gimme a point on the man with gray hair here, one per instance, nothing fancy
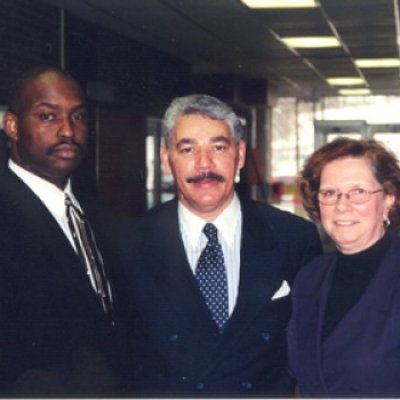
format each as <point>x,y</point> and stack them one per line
<point>209,274</point>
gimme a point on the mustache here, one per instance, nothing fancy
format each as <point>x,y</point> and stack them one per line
<point>79,148</point>
<point>204,176</point>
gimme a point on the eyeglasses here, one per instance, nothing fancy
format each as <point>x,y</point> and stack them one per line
<point>330,197</point>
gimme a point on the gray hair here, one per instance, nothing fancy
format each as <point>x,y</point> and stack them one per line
<point>204,105</point>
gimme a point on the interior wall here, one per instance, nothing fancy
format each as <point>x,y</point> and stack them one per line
<point>126,83</point>
<point>29,36</point>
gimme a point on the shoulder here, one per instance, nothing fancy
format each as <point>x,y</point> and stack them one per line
<point>152,226</point>
<point>277,219</point>
<point>294,237</point>
<point>395,245</point>
<point>313,273</point>
<point>157,217</point>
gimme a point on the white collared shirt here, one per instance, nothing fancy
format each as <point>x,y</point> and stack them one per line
<point>229,225</point>
<point>49,194</point>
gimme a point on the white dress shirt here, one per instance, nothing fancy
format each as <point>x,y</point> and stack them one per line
<point>50,195</point>
<point>229,225</point>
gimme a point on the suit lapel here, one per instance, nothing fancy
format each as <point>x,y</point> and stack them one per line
<point>327,269</point>
<point>377,295</point>
<point>51,245</point>
<point>261,271</point>
<point>176,277</point>
<point>41,228</point>
<point>22,201</point>
<point>182,309</point>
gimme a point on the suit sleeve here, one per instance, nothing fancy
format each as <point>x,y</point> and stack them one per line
<point>313,245</point>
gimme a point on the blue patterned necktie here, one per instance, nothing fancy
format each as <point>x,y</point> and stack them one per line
<point>211,277</point>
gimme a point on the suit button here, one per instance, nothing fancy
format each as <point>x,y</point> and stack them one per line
<point>247,385</point>
<point>173,338</point>
<point>355,388</point>
<point>200,386</point>
<point>266,336</point>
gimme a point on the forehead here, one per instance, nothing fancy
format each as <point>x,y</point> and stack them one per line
<point>50,87</point>
<point>348,169</point>
<point>196,126</point>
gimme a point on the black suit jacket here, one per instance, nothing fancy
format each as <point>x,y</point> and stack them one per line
<point>176,347</point>
<point>54,336</point>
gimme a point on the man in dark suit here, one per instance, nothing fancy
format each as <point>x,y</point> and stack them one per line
<point>209,275</point>
<point>57,329</point>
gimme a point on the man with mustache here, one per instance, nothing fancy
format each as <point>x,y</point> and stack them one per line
<point>57,324</point>
<point>209,274</point>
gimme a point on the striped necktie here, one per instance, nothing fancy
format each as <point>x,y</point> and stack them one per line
<point>89,254</point>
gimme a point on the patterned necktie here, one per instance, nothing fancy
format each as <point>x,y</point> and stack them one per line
<point>211,277</point>
<point>89,254</point>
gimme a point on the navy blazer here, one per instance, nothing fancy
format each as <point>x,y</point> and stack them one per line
<point>176,346</point>
<point>361,357</point>
<point>54,336</point>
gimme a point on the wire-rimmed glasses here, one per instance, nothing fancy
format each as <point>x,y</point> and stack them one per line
<point>330,197</point>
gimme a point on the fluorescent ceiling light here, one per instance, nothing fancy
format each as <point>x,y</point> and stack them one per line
<point>378,62</point>
<point>354,92</point>
<point>311,42</point>
<point>280,3</point>
<point>345,81</point>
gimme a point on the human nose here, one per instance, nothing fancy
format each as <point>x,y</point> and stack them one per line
<point>67,128</point>
<point>343,201</point>
<point>204,159</point>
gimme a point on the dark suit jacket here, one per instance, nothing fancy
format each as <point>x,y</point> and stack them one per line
<point>176,347</point>
<point>361,357</point>
<point>54,336</point>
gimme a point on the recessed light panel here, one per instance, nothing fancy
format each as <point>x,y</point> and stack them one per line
<point>311,42</point>
<point>345,81</point>
<point>280,3</point>
<point>354,92</point>
<point>378,62</point>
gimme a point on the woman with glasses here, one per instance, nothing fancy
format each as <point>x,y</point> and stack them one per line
<point>344,334</point>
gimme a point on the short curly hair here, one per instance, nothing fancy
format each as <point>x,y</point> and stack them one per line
<point>385,168</point>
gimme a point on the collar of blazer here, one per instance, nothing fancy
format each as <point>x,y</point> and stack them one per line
<point>33,217</point>
<point>261,263</point>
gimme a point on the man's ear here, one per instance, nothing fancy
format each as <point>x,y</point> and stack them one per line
<point>165,160</point>
<point>10,121</point>
<point>242,154</point>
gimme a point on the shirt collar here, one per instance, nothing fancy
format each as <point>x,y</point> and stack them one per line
<point>48,193</point>
<point>225,222</point>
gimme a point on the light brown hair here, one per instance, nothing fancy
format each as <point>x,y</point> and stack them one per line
<point>385,168</point>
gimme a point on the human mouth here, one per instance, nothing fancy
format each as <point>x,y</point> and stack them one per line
<point>66,150</point>
<point>205,177</point>
<point>345,223</point>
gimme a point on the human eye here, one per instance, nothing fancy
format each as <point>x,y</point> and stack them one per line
<point>186,149</point>
<point>328,193</point>
<point>219,147</point>
<point>358,193</point>
<point>80,116</point>
<point>47,116</point>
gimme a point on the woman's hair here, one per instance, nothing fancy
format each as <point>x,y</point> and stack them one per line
<point>385,168</point>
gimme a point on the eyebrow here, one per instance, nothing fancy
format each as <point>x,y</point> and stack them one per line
<point>215,139</point>
<point>221,139</point>
<point>81,106</point>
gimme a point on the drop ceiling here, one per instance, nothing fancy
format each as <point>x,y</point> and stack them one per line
<point>225,36</point>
